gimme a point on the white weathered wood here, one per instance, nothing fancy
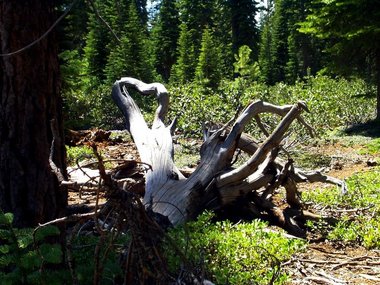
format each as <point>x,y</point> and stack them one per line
<point>213,183</point>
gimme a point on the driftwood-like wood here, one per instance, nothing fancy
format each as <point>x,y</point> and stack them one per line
<point>214,183</point>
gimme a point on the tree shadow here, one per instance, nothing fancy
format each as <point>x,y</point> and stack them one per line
<point>368,129</point>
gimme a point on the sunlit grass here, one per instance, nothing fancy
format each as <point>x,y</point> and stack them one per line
<point>358,211</point>
<point>244,253</point>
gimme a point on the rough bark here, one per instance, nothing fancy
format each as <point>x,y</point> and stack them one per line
<point>30,106</point>
<point>214,183</point>
<point>377,59</point>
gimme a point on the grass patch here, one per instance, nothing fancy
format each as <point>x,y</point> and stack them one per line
<point>78,153</point>
<point>228,253</point>
<point>358,211</point>
<point>372,147</point>
<point>311,160</point>
<point>186,153</point>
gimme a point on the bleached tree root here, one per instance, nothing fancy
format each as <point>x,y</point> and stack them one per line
<point>214,183</point>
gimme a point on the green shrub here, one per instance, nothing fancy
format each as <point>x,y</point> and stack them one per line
<point>373,147</point>
<point>26,260</point>
<point>34,256</point>
<point>361,223</point>
<point>244,253</point>
<point>332,102</point>
<point>78,153</point>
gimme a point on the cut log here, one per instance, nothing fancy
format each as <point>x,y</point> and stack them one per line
<point>214,183</point>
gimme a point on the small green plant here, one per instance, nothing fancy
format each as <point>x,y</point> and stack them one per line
<point>332,102</point>
<point>243,253</point>
<point>78,153</point>
<point>35,256</point>
<point>26,258</point>
<point>358,211</point>
<point>372,147</point>
<point>311,160</point>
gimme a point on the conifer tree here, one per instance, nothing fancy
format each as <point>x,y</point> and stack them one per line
<point>165,34</point>
<point>244,25</point>
<point>97,42</point>
<point>266,52</point>
<point>286,54</point>
<point>208,71</point>
<point>130,57</point>
<point>352,30</point>
<point>222,34</point>
<point>195,16</point>
<point>184,69</point>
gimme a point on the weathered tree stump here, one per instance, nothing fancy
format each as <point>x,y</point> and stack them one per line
<point>214,183</point>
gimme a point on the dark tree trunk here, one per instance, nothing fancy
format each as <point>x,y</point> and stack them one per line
<point>378,84</point>
<point>30,100</point>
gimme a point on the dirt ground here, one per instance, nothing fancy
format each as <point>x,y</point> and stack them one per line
<point>322,262</point>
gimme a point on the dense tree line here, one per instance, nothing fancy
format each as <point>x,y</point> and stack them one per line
<point>181,41</point>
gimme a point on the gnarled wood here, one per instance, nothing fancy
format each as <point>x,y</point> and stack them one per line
<point>214,184</point>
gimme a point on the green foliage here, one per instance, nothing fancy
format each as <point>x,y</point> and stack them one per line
<point>34,256</point>
<point>78,153</point>
<point>24,258</point>
<point>184,69</point>
<point>110,245</point>
<point>174,45</point>
<point>357,226</point>
<point>243,65</point>
<point>329,20</point>
<point>285,53</point>
<point>165,34</point>
<point>354,47</point>
<point>307,160</point>
<point>208,70</point>
<point>332,102</point>
<point>130,57</point>
<point>244,26</point>
<point>244,253</point>
<point>373,147</point>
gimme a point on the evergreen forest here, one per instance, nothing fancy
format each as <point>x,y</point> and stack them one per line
<point>214,47</point>
<point>271,107</point>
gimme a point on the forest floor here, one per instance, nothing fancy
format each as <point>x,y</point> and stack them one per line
<point>323,262</point>
<point>327,262</point>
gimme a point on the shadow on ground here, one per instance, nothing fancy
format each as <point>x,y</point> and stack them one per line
<point>368,129</point>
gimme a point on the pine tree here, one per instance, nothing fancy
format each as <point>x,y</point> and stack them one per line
<point>97,42</point>
<point>352,30</point>
<point>292,66</point>
<point>286,54</point>
<point>184,69</point>
<point>266,52</point>
<point>222,34</point>
<point>130,57</point>
<point>195,16</point>
<point>279,46</point>
<point>244,25</point>
<point>208,71</point>
<point>243,65</point>
<point>165,34</point>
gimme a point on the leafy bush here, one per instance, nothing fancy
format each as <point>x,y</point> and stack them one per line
<point>243,253</point>
<point>25,259</point>
<point>363,201</point>
<point>373,147</point>
<point>35,256</point>
<point>332,102</point>
<point>91,107</point>
<point>78,153</point>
